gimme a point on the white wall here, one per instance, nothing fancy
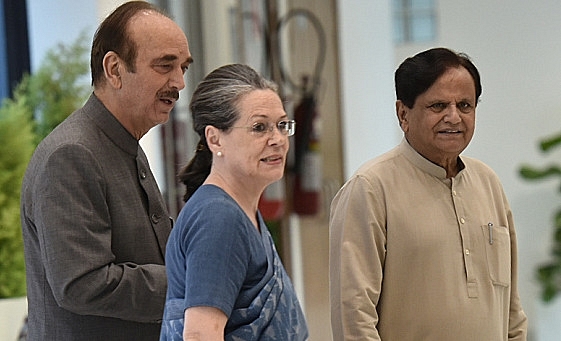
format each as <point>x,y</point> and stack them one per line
<point>366,74</point>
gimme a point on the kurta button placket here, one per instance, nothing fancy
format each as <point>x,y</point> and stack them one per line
<point>465,240</point>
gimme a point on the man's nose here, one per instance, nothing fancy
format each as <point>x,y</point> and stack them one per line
<point>177,80</point>
<point>453,114</point>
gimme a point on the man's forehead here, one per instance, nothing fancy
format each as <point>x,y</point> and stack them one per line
<point>146,21</point>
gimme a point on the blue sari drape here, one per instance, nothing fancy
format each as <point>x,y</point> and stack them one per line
<point>274,314</point>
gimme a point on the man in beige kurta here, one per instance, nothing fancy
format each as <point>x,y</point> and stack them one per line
<point>422,249</point>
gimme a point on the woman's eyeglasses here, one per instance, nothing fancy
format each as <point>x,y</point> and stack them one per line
<point>286,127</point>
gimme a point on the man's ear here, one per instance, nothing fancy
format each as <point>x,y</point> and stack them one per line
<point>402,112</point>
<point>112,67</point>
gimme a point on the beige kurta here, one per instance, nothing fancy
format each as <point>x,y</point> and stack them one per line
<point>413,255</point>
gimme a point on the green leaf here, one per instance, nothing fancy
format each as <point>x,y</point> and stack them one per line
<point>547,144</point>
<point>548,293</point>
<point>532,173</point>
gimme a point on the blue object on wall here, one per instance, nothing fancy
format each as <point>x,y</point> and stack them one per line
<point>4,89</point>
<point>15,47</point>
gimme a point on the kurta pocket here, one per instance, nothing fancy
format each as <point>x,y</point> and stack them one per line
<point>497,248</point>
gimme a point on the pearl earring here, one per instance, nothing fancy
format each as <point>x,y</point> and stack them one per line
<point>219,154</point>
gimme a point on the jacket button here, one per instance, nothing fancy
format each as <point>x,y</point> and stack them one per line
<point>155,218</point>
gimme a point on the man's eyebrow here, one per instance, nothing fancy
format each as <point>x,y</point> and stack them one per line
<point>165,58</point>
<point>171,58</point>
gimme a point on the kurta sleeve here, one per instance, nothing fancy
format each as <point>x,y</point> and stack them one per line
<point>518,322</point>
<point>357,253</point>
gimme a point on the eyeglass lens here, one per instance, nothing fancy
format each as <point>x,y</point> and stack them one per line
<point>287,127</point>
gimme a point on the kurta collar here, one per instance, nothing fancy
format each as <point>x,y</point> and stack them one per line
<point>421,162</point>
<point>110,126</point>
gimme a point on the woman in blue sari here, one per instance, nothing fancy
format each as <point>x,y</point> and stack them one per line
<point>225,278</point>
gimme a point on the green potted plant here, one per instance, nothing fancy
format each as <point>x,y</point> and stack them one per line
<point>549,273</point>
<point>39,103</point>
<point>17,141</point>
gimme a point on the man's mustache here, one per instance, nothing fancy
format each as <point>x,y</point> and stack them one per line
<point>173,94</point>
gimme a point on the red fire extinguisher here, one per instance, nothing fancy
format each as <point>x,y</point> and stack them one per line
<point>272,201</point>
<point>307,157</point>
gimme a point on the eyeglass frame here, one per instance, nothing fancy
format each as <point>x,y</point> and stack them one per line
<point>271,126</point>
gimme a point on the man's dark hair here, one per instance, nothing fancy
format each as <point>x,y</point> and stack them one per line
<point>112,35</point>
<point>418,73</point>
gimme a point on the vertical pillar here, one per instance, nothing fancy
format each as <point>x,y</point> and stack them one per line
<point>4,88</point>
<point>14,20</point>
